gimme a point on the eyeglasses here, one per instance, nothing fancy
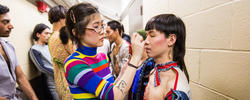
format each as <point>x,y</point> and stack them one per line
<point>98,30</point>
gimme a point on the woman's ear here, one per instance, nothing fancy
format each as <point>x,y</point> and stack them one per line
<point>38,35</point>
<point>172,39</point>
<point>116,31</point>
<point>74,32</point>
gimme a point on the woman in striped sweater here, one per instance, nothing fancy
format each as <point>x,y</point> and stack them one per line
<point>87,71</point>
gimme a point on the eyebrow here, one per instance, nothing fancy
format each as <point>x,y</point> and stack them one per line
<point>5,20</point>
<point>150,31</point>
<point>97,22</point>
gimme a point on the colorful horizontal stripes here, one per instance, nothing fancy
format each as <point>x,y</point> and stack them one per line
<point>88,75</point>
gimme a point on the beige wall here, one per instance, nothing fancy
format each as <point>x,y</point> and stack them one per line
<point>24,16</point>
<point>218,45</point>
<point>125,23</point>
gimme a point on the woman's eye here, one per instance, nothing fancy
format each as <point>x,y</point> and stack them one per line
<point>5,22</point>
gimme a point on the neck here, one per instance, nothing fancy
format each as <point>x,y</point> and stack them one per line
<point>90,51</point>
<point>163,58</point>
<point>57,26</point>
<point>142,60</point>
<point>40,43</point>
<point>118,41</point>
<point>145,58</point>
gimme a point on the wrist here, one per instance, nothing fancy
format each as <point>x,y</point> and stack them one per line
<point>133,66</point>
<point>34,97</point>
<point>134,61</point>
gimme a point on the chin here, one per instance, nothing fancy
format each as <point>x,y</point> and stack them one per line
<point>5,35</point>
<point>148,54</point>
<point>151,55</point>
<point>100,44</point>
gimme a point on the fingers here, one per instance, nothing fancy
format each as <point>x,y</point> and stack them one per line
<point>143,42</point>
<point>136,37</point>
<point>133,37</point>
<point>137,44</point>
<point>139,38</point>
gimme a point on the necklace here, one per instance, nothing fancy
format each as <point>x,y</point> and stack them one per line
<point>162,67</point>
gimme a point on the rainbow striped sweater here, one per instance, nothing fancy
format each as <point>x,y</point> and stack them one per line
<point>88,75</point>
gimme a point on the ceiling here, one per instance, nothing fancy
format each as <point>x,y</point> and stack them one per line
<point>110,9</point>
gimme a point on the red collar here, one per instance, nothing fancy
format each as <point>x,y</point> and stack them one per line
<point>162,67</point>
<point>168,65</point>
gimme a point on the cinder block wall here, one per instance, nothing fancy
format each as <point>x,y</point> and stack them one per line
<point>218,45</point>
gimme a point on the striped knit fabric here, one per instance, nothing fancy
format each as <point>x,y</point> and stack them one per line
<point>88,75</point>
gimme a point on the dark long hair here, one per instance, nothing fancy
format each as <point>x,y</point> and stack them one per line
<point>65,36</point>
<point>170,24</point>
<point>78,17</point>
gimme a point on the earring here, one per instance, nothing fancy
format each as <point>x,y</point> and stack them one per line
<point>169,54</point>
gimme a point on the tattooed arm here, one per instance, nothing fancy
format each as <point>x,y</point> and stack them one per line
<point>123,85</point>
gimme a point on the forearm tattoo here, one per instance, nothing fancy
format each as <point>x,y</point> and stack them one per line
<point>122,85</point>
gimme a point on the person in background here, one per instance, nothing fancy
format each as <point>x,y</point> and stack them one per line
<point>59,51</point>
<point>40,55</point>
<point>87,71</point>
<point>120,49</point>
<point>125,36</point>
<point>10,71</point>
